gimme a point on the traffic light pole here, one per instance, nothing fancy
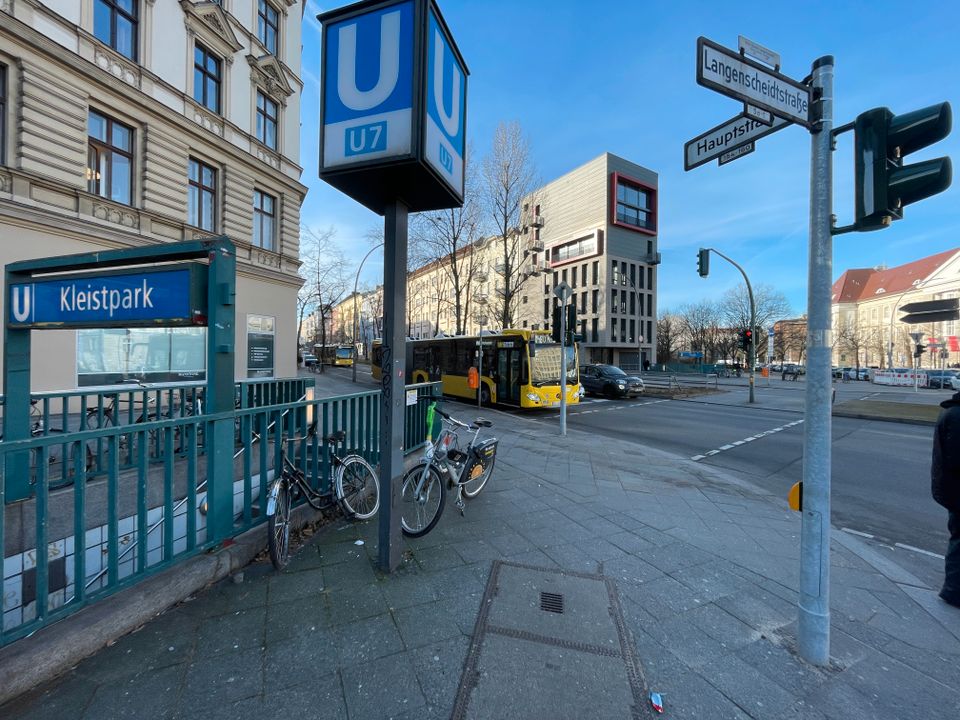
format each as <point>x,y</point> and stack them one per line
<point>814,608</point>
<point>752,347</point>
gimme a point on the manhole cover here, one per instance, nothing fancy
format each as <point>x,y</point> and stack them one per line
<point>550,643</point>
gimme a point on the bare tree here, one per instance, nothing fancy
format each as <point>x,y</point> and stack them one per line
<point>668,336</point>
<point>325,280</point>
<point>447,237</point>
<point>791,339</point>
<point>852,338</point>
<point>508,179</point>
<point>770,304</point>
<point>700,323</point>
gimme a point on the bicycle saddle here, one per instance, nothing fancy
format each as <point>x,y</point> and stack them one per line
<point>337,437</point>
<point>480,422</point>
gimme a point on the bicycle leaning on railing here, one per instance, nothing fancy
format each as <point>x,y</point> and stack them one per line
<point>353,486</point>
<point>424,489</point>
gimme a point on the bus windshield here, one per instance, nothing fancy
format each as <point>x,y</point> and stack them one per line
<point>545,365</point>
<point>344,353</point>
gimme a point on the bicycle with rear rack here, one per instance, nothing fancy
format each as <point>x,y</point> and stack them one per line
<point>353,484</point>
<point>424,488</point>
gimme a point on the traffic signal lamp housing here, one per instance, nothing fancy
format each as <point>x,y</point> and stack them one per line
<point>919,350</point>
<point>703,262</point>
<point>556,329</point>
<point>747,339</point>
<point>884,184</point>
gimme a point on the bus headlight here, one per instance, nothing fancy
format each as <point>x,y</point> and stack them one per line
<point>533,397</point>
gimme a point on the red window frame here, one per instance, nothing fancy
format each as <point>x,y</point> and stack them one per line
<point>615,179</point>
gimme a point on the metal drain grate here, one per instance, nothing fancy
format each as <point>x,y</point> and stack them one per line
<point>551,602</point>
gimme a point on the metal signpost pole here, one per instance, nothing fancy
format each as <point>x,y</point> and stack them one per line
<point>814,614</point>
<point>392,394</point>
<point>563,367</point>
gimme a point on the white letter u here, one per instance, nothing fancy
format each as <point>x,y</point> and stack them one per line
<point>21,304</point>
<point>389,65</point>
<point>451,121</point>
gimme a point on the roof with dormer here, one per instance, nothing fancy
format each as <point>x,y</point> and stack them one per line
<point>861,284</point>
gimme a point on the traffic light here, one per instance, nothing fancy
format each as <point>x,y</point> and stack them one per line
<point>919,350</point>
<point>555,329</point>
<point>884,185</point>
<point>571,323</point>
<point>703,262</point>
<point>747,336</point>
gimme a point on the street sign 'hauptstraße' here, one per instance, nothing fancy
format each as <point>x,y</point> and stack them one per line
<point>726,137</point>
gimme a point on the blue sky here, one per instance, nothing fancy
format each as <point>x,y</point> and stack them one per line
<point>583,78</point>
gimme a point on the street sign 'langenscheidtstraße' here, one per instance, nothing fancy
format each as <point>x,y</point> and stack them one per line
<point>726,137</point>
<point>736,76</point>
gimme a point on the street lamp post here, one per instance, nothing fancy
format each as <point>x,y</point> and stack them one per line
<point>639,328</point>
<point>752,350</point>
<point>356,282</point>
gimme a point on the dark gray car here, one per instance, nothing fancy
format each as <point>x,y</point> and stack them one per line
<point>609,380</point>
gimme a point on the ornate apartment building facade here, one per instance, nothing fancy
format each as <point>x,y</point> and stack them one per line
<point>136,122</point>
<point>866,312</point>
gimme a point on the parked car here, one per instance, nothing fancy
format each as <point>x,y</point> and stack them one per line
<point>609,380</point>
<point>941,378</point>
<point>309,360</point>
<point>791,371</point>
<point>955,382</point>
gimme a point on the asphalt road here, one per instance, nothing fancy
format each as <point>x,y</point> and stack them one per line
<point>881,470</point>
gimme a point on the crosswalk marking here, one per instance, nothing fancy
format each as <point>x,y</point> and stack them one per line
<point>752,438</point>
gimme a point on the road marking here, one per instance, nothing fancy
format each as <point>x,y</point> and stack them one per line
<point>857,532</point>
<point>911,548</point>
<point>737,443</point>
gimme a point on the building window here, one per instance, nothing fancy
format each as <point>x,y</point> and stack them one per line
<point>633,298</point>
<point>524,300</point>
<point>3,113</point>
<point>109,158</point>
<point>206,78</point>
<point>623,329</point>
<point>596,272</point>
<point>583,274</point>
<point>623,273</point>
<point>632,331</point>
<point>575,248</point>
<point>115,24</point>
<point>546,309</point>
<point>596,300</point>
<point>266,121</point>
<point>583,303</point>
<point>264,220</point>
<point>268,25</point>
<point>593,330</point>
<point>202,200</point>
<point>613,330</point>
<point>635,204</point>
<point>613,301</point>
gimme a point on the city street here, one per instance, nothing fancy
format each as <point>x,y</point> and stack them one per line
<point>881,470</point>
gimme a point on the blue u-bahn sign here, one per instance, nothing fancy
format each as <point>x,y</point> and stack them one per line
<point>174,296</point>
<point>394,103</point>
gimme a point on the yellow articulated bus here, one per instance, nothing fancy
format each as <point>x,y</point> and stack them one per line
<point>334,354</point>
<point>521,368</point>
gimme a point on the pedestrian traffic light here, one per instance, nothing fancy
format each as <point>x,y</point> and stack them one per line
<point>703,262</point>
<point>884,185</point>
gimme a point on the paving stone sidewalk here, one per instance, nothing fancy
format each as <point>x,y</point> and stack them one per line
<point>705,572</point>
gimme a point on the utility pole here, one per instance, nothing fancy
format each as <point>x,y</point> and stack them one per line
<point>752,347</point>
<point>562,291</point>
<point>813,635</point>
<point>355,319</point>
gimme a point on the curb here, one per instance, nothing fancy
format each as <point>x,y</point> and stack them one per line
<point>52,650</point>
<point>884,418</point>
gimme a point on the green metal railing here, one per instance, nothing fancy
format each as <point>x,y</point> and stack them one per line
<point>141,505</point>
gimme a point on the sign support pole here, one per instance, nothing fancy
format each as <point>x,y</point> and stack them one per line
<point>563,365</point>
<point>814,606</point>
<point>392,406</point>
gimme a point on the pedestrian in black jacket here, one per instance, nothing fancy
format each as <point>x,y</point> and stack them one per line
<point>945,485</point>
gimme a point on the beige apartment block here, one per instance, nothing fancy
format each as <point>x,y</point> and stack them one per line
<point>866,311</point>
<point>595,229</point>
<point>127,123</point>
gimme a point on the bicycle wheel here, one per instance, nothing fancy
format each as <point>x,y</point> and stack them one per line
<point>472,487</point>
<point>418,514</point>
<point>279,505</point>
<point>358,488</point>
